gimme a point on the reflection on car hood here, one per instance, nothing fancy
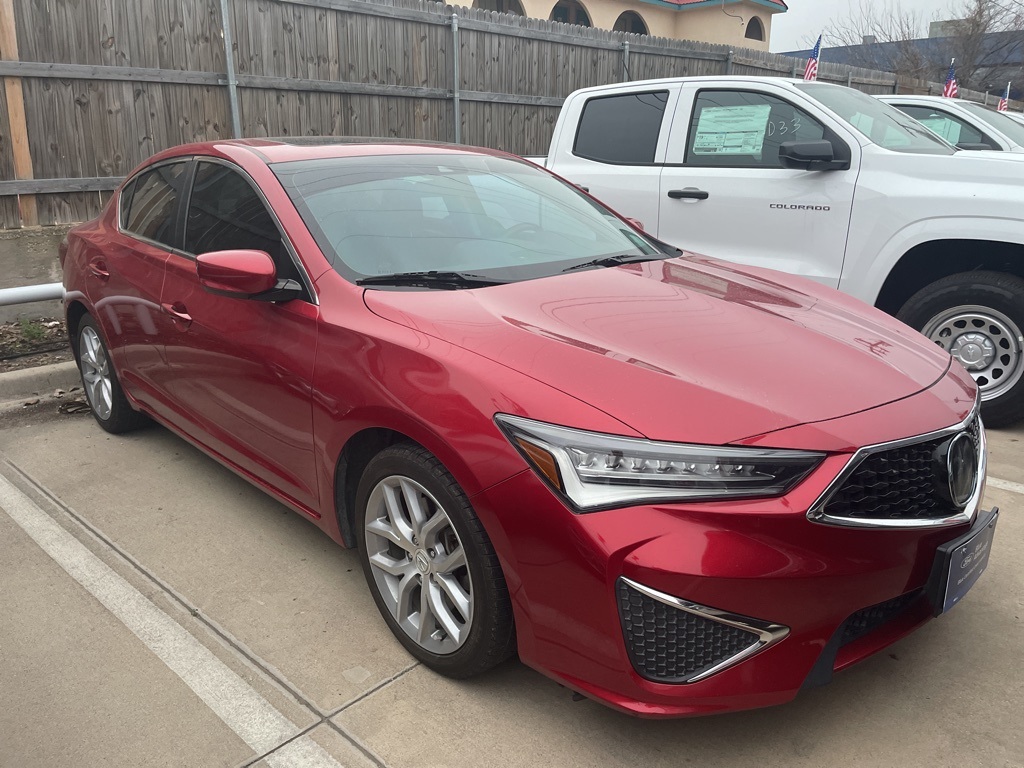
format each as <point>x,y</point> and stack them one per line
<point>685,349</point>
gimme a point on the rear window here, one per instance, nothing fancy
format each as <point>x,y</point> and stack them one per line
<point>621,129</point>
<point>154,204</point>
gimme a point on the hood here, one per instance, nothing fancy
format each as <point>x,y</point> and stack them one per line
<point>684,349</point>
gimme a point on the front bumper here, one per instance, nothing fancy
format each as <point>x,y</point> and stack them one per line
<point>823,597</point>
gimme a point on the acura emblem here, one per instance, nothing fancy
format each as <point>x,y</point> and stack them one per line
<point>961,468</point>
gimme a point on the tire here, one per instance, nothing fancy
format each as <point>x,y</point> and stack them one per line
<point>442,564</point>
<point>103,391</point>
<point>978,317</point>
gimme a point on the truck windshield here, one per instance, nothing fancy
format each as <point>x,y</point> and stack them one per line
<point>884,125</point>
<point>1009,127</point>
<point>497,219</point>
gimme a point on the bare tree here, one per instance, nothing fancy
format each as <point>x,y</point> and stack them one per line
<point>985,36</point>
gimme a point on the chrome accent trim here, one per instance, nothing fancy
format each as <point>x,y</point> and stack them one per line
<point>817,514</point>
<point>768,633</point>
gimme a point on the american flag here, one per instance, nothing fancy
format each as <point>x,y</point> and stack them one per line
<point>1005,101</point>
<point>811,70</point>
<point>950,91</point>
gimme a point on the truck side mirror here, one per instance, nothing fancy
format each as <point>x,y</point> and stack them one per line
<point>810,156</point>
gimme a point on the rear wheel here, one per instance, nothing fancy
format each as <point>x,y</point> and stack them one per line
<point>978,317</point>
<point>103,392</point>
<point>430,566</point>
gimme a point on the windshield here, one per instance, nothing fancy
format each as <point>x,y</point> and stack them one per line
<point>1009,127</point>
<point>453,213</point>
<point>883,124</point>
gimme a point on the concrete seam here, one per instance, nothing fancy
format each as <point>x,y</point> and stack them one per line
<point>232,643</point>
<point>243,709</point>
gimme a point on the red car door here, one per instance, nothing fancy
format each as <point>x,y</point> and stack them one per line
<point>240,370</point>
<point>124,272</point>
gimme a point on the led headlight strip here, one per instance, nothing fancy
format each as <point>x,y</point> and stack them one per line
<point>594,471</point>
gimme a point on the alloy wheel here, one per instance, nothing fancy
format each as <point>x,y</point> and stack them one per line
<point>97,375</point>
<point>419,565</point>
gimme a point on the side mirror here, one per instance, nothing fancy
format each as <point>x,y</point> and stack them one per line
<point>635,223</point>
<point>238,274</point>
<point>810,156</point>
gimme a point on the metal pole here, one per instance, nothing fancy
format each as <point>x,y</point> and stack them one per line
<point>456,107</point>
<point>229,60</point>
<point>849,78</point>
<point>625,61</point>
<point>728,63</point>
<point>30,293</point>
<point>795,62</point>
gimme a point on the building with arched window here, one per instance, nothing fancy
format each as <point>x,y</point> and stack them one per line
<point>743,23</point>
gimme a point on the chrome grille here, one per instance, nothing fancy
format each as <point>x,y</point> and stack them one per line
<point>900,483</point>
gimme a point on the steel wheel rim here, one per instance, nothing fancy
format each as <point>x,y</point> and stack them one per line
<point>96,374</point>
<point>985,341</point>
<point>419,565</point>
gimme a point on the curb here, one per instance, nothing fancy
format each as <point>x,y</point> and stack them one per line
<point>37,382</point>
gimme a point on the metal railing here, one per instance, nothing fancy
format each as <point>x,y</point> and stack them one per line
<point>29,293</point>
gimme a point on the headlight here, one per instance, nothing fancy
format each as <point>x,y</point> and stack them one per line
<point>592,470</point>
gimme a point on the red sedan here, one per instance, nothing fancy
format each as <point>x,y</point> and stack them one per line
<point>674,485</point>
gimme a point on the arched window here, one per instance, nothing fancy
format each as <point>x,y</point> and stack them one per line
<point>631,22</point>
<point>755,29</point>
<point>501,6</point>
<point>570,12</point>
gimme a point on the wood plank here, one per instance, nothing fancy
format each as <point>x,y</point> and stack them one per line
<point>101,72</point>
<point>17,125</point>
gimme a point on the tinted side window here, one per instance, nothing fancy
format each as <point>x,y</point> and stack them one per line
<point>952,129</point>
<point>744,129</point>
<point>154,204</point>
<point>621,129</point>
<point>225,213</point>
<point>125,202</point>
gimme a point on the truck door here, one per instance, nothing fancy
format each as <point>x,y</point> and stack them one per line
<point>617,149</point>
<point>725,194</point>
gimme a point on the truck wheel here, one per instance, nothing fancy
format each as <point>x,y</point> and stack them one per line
<point>978,317</point>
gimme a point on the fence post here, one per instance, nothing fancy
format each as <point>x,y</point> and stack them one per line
<point>229,61</point>
<point>625,61</point>
<point>728,63</point>
<point>849,78</point>
<point>896,85</point>
<point>795,62</point>
<point>456,79</point>
<point>17,123</point>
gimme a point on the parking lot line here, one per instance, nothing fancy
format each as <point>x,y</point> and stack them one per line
<point>1006,485</point>
<point>257,722</point>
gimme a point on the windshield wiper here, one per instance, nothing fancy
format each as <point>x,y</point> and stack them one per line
<point>432,279</point>
<point>614,261</point>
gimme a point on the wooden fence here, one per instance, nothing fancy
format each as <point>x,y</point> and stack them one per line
<point>93,87</point>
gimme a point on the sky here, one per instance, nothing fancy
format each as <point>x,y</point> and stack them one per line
<point>800,26</point>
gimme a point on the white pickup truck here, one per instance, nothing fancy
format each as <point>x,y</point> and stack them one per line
<point>821,181</point>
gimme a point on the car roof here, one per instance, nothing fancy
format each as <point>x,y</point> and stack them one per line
<point>294,148</point>
<point>633,84</point>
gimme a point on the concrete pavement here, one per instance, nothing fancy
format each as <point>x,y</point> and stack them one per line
<point>155,607</point>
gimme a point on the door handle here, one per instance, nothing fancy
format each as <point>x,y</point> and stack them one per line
<point>98,268</point>
<point>179,314</point>
<point>690,193</point>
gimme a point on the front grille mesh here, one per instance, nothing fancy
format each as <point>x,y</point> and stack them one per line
<point>869,619</point>
<point>670,645</point>
<point>897,484</point>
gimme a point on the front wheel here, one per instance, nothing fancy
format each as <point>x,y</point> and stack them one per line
<point>430,566</point>
<point>978,317</point>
